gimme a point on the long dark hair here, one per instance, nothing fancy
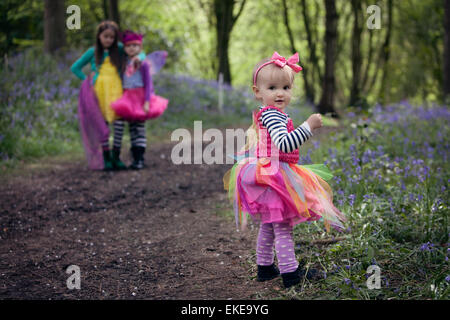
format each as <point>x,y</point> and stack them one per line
<point>113,49</point>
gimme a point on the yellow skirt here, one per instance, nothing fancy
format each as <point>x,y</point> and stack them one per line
<point>108,88</point>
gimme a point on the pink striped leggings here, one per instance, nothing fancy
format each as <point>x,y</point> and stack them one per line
<point>279,234</point>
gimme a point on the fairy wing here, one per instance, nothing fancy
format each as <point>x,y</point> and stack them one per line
<point>156,61</point>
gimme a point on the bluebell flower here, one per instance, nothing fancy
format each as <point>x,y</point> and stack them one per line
<point>427,246</point>
<point>351,199</point>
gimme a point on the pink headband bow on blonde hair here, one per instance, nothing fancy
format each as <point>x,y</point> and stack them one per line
<point>281,61</point>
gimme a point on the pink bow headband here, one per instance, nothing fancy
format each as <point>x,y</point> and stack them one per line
<point>281,62</point>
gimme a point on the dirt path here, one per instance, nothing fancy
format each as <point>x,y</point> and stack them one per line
<point>153,234</point>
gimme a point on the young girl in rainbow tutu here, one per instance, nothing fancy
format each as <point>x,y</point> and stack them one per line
<point>268,183</point>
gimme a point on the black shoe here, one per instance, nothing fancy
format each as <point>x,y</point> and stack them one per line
<point>291,278</point>
<point>138,158</point>
<point>267,272</point>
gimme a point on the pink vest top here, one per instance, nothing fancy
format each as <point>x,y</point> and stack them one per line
<point>266,143</point>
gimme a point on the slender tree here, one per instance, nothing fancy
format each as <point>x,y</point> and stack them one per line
<point>371,49</point>
<point>105,10</point>
<point>225,20</point>
<point>385,53</point>
<point>355,91</point>
<point>326,104</point>
<point>113,11</point>
<point>311,37</point>
<point>309,88</point>
<point>54,25</point>
<point>446,64</point>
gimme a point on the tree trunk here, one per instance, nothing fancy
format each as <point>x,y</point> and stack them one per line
<point>54,25</point>
<point>326,104</point>
<point>113,11</point>
<point>368,64</point>
<point>105,10</point>
<point>309,93</point>
<point>386,50</point>
<point>446,64</point>
<point>314,67</point>
<point>225,21</point>
<point>355,93</point>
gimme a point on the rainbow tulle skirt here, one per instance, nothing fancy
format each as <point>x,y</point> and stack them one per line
<point>275,191</point>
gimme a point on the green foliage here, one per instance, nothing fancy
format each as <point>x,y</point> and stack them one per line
<point>21,24</point>
<point>391,181</point>
<point>186,30</point>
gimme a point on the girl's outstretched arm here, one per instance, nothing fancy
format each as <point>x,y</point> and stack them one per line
<point>77,67</point>
<point>276,124</point>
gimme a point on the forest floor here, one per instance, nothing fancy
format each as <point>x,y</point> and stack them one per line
<point>164,232</point>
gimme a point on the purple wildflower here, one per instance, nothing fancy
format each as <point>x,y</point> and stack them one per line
<point>427,246</point>
<point>351,199</point>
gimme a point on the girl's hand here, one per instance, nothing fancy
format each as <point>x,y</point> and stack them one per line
<point>146,106</point>
<point>136,62</point>
<point>315,121</point>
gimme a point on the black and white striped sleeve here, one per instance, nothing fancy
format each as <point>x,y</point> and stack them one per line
<point>276,124</point>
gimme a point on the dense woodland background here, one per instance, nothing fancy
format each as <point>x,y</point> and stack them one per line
<point>345,63</point>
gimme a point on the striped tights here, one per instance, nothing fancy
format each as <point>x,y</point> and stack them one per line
<point>137,135</point>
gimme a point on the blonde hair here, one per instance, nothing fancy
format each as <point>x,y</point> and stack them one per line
<point>252,131</point>
<point>287,70</point>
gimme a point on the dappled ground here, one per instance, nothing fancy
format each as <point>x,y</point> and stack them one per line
<point>159,233</point>
<point>164,232</point>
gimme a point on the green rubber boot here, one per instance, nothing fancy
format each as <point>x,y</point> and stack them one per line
<point>116,162</point>
<point>107,163</point>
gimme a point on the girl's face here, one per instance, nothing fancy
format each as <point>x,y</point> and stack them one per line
<point>273,87</point>
<point>107,38</point>
<point>132,49</point>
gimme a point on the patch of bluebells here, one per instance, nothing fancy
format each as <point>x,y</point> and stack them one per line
<point>399,154</point>
<point>391,179</point>
<point>427,246</point>
<point>39,97</point>
<point>186,93</point>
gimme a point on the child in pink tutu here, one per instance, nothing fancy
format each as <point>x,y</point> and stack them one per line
<point>138,103</point>
<point>268,183</point>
